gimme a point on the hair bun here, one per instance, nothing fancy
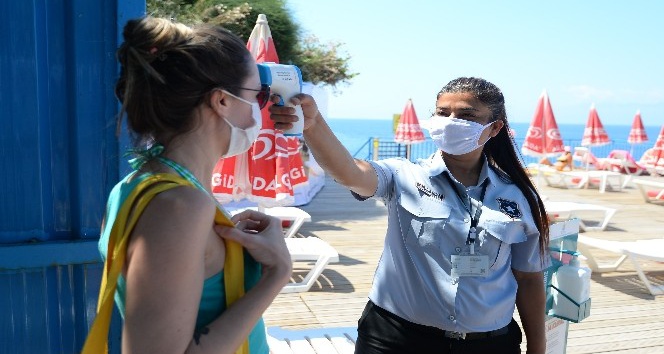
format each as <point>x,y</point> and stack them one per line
<point>151,36</point>
<point>168,69</point>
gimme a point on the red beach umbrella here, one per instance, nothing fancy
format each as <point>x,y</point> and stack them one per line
<point>637,134</point>
<point>659,143</point>
<point>408,129</point>
<point>230,179</point>
<point>260,42</point>
<point>594,134</point>
<point>296,165</point>
<point>273,165</point>
<point>543,137</point>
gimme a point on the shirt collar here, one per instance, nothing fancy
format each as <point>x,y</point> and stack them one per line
<point>436,165</point>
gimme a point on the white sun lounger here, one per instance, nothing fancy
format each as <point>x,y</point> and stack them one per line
<point>337,340</point>
<point>569,210</point>
<point>296,216</point>
<point>651,191</point>
<point>623,162</point>
<point>580,179</point>
<point>309,249</point>
<point>634,250</point>
<point>588,161</point>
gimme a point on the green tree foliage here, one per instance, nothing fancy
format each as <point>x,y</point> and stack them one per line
<point>320,63</point>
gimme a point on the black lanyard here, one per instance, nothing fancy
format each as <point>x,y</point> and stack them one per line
<point>472,233</point>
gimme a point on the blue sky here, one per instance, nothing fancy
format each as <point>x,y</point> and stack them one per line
<point>610,53</point>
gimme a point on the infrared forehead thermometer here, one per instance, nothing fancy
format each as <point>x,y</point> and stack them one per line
<point>285,81</point>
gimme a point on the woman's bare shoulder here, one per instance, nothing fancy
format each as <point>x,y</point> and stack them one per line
<point>181,212</point>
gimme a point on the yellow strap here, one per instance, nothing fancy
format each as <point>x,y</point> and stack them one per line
<point>130,212</point>
<point>233,272</point>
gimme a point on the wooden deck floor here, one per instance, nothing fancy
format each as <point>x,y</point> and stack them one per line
<point>625,318</point>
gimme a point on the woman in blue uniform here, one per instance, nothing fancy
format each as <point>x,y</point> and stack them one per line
<point>466,234</point>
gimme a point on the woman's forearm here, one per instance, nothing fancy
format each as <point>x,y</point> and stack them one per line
<point>530,301</point>
<point>330,154</point>
<point>333,157</point>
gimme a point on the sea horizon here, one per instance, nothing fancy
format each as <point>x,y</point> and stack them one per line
<point>510,121</point>
<point>355,133</point>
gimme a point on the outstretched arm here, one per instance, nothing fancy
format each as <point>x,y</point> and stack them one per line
<point>331,155</point>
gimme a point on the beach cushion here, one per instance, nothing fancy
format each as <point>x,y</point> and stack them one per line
<point>653,194</point>
<point>577,180</point>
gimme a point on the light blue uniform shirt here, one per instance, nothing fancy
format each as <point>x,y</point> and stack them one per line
<point>427,223</point>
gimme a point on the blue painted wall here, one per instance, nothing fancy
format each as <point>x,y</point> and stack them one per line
<point>59,158</point>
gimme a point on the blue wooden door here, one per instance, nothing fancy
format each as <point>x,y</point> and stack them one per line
<point>59,158</point>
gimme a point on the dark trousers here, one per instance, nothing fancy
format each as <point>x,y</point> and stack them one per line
<point>382,332</point>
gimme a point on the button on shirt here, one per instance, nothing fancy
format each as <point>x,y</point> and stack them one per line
<point>427,223</point>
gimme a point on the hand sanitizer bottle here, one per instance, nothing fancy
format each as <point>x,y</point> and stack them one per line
<point>573,280</point>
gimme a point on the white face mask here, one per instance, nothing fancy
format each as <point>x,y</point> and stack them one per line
<point>241,139</point>
<point>455,136</point>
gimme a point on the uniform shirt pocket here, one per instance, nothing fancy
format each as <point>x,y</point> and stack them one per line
<point>497,238</point>
<point>422,220</point>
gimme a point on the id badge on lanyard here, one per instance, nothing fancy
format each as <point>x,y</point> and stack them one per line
<point>469,263</point>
